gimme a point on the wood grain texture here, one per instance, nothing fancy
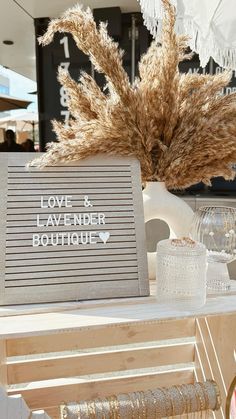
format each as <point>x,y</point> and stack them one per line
<point>53,393</point>
<point>90,337</point>
<point>206,361</point>
<point>39,226</point>
<point>71,317</point>
<point>104,371</point>
<point>222,331</point>
<point>96,363</point>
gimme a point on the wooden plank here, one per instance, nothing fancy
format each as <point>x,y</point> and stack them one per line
<point>212,356</point>
<point>52,393</point>
<point>202,371</point>
<point>222,333</point>
<point>3,366</point>
<point>110,335</point>
<point>199,370</point>
<point>202,352</point>
<point>207,362</point>
<point>95,314</point>
<point>98,362</point>
<point>220,338</point>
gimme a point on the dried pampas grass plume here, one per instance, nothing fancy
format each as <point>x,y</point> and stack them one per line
<point>178,125</point>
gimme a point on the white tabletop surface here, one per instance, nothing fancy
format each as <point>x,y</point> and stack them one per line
<point>38,319</point>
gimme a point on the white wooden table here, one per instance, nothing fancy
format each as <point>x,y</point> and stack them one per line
<point>52,353</point>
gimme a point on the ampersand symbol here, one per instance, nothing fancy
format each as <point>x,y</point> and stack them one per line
<point>87,203</point>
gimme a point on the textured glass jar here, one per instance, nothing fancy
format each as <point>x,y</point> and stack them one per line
<point>160,204</point>
<point>181,273</point>
<point>216,228</point>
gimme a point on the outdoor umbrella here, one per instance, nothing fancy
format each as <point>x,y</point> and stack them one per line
<point>23,122</point>
<point>8,102</point>
<point>209,23</point>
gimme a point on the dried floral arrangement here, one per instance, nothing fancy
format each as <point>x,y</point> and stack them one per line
<point>177,125</point>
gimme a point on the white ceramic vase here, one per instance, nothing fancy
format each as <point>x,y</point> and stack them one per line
<point>160,204</point>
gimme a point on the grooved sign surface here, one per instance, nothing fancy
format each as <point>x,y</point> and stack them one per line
<point>71,232</point>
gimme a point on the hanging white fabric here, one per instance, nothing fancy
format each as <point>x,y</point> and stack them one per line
<point>152,11</point>
<point>211,25</point>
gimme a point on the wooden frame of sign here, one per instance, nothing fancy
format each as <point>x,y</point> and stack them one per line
<point>71,232</point>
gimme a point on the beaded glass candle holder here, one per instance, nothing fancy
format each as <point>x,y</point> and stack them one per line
<point>181,273</point>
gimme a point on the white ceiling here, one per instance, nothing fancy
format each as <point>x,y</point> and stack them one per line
<point>17,24</point>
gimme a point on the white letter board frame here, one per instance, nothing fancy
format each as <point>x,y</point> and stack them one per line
<point>109,264</point>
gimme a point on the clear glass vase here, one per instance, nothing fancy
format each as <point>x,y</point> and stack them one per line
<point>181,273</point>
<point>215,227</point>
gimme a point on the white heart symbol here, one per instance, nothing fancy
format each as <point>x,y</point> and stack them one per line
<point>104,236</point>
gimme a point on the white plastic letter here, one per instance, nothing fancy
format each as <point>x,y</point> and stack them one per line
<point>68,199</point>
<point>38,221</point>
<point>43,206</point>
<point>36,241</point>
<point>101,218</point>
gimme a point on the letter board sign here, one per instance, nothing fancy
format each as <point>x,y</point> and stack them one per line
<point>71,232</point>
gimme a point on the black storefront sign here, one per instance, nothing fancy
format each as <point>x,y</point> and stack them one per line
<point>52,96</point>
